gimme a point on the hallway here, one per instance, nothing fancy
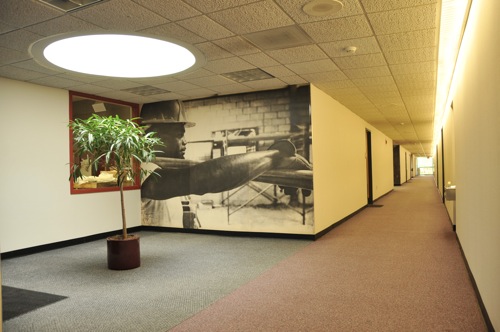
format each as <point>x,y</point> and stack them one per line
<point>396,267</point>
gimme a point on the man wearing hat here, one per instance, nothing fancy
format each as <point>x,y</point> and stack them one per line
<point>163,195</point>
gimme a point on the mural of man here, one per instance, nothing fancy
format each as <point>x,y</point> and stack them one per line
<point>163,194</point>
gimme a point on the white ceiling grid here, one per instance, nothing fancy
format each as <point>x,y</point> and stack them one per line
<point>390,80</point>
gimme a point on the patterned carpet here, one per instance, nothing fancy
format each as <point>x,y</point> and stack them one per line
<point>397,267</point>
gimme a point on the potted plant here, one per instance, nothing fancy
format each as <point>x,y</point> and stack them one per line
<point>110,142</point>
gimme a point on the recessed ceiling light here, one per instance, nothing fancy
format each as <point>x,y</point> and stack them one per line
<point>323,7</point>
<point>115,55</point>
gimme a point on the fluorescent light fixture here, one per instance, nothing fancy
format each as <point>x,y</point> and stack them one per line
<point>454,15</point>
<point>115,55</point>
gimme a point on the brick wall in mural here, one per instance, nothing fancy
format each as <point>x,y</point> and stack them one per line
<point>245,164</point>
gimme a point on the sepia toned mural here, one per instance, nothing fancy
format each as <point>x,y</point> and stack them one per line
<point>232,163</point>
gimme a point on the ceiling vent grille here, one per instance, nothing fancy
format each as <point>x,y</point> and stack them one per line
<point>146,90</point>
<point>248,75</point>
<point>280,38</point>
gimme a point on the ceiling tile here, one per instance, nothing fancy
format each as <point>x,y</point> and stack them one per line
<point>402,20</point>
<point>198,93</point>
<point>374,81</point>
<point>91,89</point>
<point>119,84</point>
<point>361,61</point>
<point>22,13</point>
<point>127,15</point>
<point>62,24</point>
<point>263,15</point>
<point>269,84</point>
<point>384,5</point>
<point>205,27</point>
<point>228,65</point>
<point>59,82</point>
<point>212,51</point>
<point>298,54</point>
<point>176,86</point>
<point>327,76</point>
<point>173,30</point>
<point>8,56</point>
<point>18,73</point>
<point>294,9</point>
<point>424,77</point>
<point>367,72</point>
<point>236,45</point>
<point>260,60</point>
<point>364,45</point>
<point>210,81</point>
<point>413,68</point>
<point>331,86</point>
<point>232,88</point>
<point>202,72</point>
<point>174,11</point>
<point>338,29</point>
<point>19,40</point>
<point>278,71</point>
<point>34,66</point>
<point>408,40</point>
<point>324,65</point>
<point>293,80</point>
<point>215,5</point>
<point>411,55</point>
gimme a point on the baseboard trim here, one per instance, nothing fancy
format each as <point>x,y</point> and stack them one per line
<point>229,233</point>
<point>63,244</point>
<point>343,220</point>
<point>100,236</point>
<point>67,243</point>
<point>484,312</point>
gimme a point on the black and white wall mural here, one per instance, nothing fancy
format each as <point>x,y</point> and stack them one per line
<point>238,162</point>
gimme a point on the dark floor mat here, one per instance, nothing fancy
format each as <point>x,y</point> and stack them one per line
<point>17,301</point>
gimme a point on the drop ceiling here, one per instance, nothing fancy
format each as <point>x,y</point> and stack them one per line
<point>390,81</point>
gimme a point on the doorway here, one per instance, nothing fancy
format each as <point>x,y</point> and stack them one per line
<point>369,181</point>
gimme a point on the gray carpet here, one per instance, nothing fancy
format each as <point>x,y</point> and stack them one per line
<point>180,275</point>
<point>397,267</point>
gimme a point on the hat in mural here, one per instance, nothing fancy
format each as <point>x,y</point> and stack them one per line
<point>164,112</point>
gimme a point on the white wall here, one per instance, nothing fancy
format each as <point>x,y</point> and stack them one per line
<point>477,152</point>
<point>339,154</point>
<point>36,206</point>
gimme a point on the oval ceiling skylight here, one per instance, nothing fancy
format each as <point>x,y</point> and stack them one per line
<point>115,55</point>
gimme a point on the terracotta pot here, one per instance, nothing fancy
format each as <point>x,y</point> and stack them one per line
<point>123,254</point>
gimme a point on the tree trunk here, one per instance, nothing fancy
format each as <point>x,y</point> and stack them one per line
<point>122,201</point>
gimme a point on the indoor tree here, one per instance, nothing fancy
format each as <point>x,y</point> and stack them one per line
<point>113,143</point>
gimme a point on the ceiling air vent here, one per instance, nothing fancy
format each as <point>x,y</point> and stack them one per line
<point>280,38</point>
<point>248,75</point>
<point>146,90</point>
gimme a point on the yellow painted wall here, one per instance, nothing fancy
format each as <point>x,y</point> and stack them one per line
<point>339,154</point>
<point>476,120</point>
<point>449,161</point>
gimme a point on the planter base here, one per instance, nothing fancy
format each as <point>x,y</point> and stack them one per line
<point>123,254</point>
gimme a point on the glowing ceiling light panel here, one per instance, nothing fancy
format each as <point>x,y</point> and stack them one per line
<point>116,55</point>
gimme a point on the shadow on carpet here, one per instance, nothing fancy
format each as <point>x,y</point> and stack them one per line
<point>17,301</point>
